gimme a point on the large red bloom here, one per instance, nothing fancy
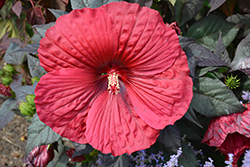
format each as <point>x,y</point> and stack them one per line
<point>230,133</point>
<point>116,76</point>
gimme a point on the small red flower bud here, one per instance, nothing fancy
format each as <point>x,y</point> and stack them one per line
<point>70,153</point>
<point>40,156</point>
<point>5,90</point>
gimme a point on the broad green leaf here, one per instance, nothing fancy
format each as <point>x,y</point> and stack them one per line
<point>6,115</point>
<point>79,4</point>
<point>207,30</point>
<point>221,51</point>
<point>241,19</point>
<point>35,69</point>
<point>187,158</point>
<point>186,10</point>
<point>213,98</point>
<point>41,29</point>
<point>215,4</point>
<point>58,13</point>
<point>60,159</point>
<point>40,134</point>
<point>12,57</point>
<point>241,60</point>
<point>170,137</point>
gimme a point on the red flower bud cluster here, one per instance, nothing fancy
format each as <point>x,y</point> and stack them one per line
<point>40,156</point>
<point>5,90</point>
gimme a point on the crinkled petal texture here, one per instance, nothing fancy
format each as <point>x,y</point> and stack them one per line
<point>230,133</point>
<point>123,39</point>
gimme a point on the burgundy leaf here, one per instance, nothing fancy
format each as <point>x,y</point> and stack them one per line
<point>35,16</point>
<point>244,6</point>
<point>2,3</point>
<point>17,8</point>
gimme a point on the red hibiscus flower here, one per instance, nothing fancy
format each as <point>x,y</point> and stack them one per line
<point>40,156</point>
<point>230,133</point>
<point>116,76</point>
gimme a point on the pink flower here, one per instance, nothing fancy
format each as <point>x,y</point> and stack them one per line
<point>230,133</point>
<point>116,76</point>
<point>40,156</point>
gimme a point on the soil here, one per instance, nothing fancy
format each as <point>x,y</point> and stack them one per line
<point>13,139</point>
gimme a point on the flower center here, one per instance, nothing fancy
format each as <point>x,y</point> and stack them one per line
<point>113,84</point>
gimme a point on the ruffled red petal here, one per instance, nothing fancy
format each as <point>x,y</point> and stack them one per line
<point>113,126</point>
<point>220,127</point>
<point>162,99</point>
<point>63,98</point>
<point>146,45</point>
<point>82,39</point>
<point>230,133</point>
<point>235,143</point>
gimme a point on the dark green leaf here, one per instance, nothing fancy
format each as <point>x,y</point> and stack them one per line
<point>221,51</point>
<point>184,41</point>
<point>83,147</point>
<point>202,71</point>
<point>241,60</point>
<point>186,10</point>
<point>147,3</point>
<point>22,91</point>
<point>241,19</point>
<point>122,161</point>
<point>187,158</point>
<point>189,130</point>
<point>60,159</point>
<point>198,55</point>
<point>58,13</point>
<point>31,48</point>
<point>215,4</point>
<point>35,69</point>
<point>6,9</point>
<point>213,98</point>
<point>41,29</point>
<point>40,134</point>
<point>16,83</point>
<point>119,161</point>
<point>79,4</point>
<point>190,115</point>
<point>6,114</point>
<point>170,137</point>
<point>203,56</point>
<point>207,30</point>
<point>12,57</point>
